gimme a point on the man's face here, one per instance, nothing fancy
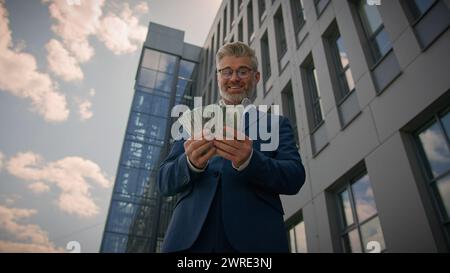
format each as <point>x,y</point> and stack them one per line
<point>234,89</point>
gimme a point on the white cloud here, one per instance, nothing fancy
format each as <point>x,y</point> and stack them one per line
<point>142,8</point>
<point>85,111</point>
<point>435,146</point>
<point>62,63</point>
<point>75,23</point>
<point>74,176</point>
<point>20,77</point>
<point>85,106</point>
<point>9,199</point>
<point>122,33</point>
<point>39,187</point>
<point>30,237</point>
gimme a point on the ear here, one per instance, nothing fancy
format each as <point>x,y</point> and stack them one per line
<point>257,77</point>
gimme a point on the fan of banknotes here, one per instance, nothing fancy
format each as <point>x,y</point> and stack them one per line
<point>193,121</point>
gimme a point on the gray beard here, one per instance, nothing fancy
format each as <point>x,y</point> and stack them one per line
<point>236,98</point>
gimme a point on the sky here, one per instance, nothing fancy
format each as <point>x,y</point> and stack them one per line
<point>67,71</point>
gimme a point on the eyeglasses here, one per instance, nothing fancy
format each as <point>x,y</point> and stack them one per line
<point>242,72</point>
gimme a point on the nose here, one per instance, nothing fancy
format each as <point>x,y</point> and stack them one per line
<point>234,77</point>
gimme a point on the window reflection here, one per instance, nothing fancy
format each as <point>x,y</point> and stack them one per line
<point>300,237</point>
<point>147,78</point>
<point>419,7</point>
<point>151,59</point>
<point>342,66</point>
<point>164,82</point>
<point>159,61</point>
<point>146,184</point>
<point>114,243</point>
<point>371,231</point>
<point>352,243</point>
<point>365,227</point>
<point>297,237</point>
<point>122,215</point>
<point>383,42</point>
<point>364,201</point>
<point>151,104</point>
<point>126,181</point>
<point>346,209</point>
<point>151,157</point>
<point>149,126</point>
<point>372,17</point>
<point>342,52</point>
<point>446,123</point>
<point>373,25</point>
<point>443,187</point>
<point>167,63</point>
<point>186,69</point>
<point>436,150</point>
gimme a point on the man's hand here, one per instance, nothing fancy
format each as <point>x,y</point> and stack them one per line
<point>199,151</point>
<point>237,151</point>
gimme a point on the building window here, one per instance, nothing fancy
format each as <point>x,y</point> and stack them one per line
<point>419,7</point>
<point>262,10</point>
<point>359,216</point>
<point>297,235</point>
<point>266,69</point>
<point>429,19</point>
<point>224,32</point>
<point>241,31</point>
<point>218,36</point>
<point>232,13</point>
<point>211,53</point>
<point>313,94</point>
<point>380,43</point>
<point>205,66</point>
<point>210,97</point>
<point>320,6</point>
<point>289,109</point>
<point>434,149</point>
<point>341,64</point>
<point>297,15</point>
<point>215,91</point>
<point>250,26</point>
<point>157,71</point>
<point>280,34</point>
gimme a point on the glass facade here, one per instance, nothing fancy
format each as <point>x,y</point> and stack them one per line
<point>138,216</point>
<point>380,43</point>
<point>420,7</point>
<point>341,65</point>
<point>360,225</point>
<point>315,103</point>
<point>297,236</point>
<point>434,147</point>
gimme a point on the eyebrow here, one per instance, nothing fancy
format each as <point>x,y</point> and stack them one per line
<point>242,66</point>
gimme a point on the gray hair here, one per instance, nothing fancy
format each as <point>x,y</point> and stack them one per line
<point>237,49</point>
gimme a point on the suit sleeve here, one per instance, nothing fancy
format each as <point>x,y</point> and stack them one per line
<point>282,174</point>
<point>174,175</point>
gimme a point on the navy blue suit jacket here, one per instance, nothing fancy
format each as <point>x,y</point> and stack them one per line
<point>252,210</point>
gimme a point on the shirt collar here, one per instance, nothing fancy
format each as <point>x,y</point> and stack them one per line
<point>245,102</point>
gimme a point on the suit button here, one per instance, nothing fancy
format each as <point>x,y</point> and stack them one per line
<point>216,174</point>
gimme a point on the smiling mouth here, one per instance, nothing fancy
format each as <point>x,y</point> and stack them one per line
<point>234,88</point>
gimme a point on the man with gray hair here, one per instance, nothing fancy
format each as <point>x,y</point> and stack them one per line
<point>229,189</point>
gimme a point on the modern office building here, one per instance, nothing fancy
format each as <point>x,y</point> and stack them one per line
<point>138,216</point>
<point>365,85</point>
